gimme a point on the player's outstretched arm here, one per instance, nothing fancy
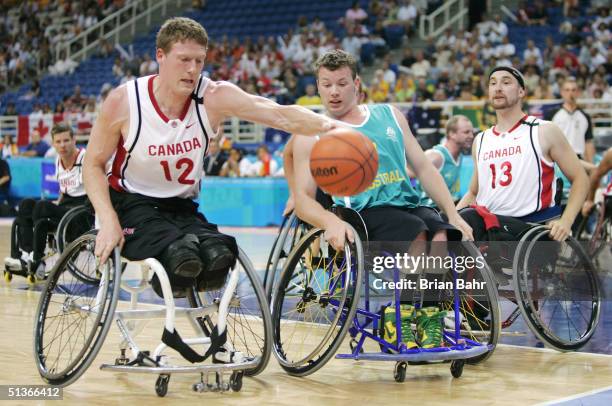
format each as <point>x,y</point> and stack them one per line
<point>226,99</point>
<point>599,172</point>
<point>553,141</point>
<point>103,140</point>
<point>470,197</point>
<point>296,158</point>
<point>430,177</point>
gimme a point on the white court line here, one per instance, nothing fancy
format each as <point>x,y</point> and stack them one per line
<point>578,396</point>
<point>545,349</point>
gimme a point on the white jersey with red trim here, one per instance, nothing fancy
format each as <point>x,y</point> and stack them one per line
<point>514,178</point>
<point>71,180</point>
<point>160,157</point>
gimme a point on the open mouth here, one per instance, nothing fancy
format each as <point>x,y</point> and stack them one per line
<point>187,81</point>
<point>335,103</point>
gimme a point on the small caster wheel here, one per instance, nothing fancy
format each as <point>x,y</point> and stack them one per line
<point>161,385</point>
<point>236,381</point>
<point>353,344</point>
<point>121,361</point>
<point>457,367</point>
<point>400,372</point>
<point>8,277</point>
<point>31,279</point>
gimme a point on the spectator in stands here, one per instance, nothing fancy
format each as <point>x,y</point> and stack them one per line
<point>10,109</point>
<point>310,98</point>
<point>355,15</point>
<point>36,147</point>
<point>498,30</point>
<point>543,91</point>
<point>64,65</point>
<point>574,122</point>
<point>421,66</point>
<point>351,43</point>
<point>407,15</point>
<point>215,159</point>
<point>388,74</point>
<point>404,88</point>
<point>538,15</point>
<point>236,165</point>
<point>5,181</point>
<point>105,49</point>
<point>408,59</point>
<point>532,51</point>
<point>379,91</point>
<point>128,76</point>
<point>9,147</point>
<point>77,99</point>
<point>148,66</point>
<point>265,164</point>
<point>118,67</point>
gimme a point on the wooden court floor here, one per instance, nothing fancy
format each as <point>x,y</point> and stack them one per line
<point>512,376</point>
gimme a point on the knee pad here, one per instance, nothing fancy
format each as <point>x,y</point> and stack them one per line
<point>181,258</point>
<point>217,259</point>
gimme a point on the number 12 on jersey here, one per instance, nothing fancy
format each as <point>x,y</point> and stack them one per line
<point>506,174</point>
<point>185,163</point>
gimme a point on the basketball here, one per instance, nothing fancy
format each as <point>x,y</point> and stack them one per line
<point>344,162</point>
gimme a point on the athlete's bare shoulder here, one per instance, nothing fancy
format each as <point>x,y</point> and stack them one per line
<point>116,109</point>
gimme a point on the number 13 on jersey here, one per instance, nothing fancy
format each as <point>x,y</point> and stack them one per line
<point>505,170</point>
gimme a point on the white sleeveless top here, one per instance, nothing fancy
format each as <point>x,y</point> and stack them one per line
<point>71,181</point>
<point>514,178</point>
<point>161,157</point>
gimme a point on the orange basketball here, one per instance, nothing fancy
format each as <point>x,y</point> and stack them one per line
<point>344,162</point>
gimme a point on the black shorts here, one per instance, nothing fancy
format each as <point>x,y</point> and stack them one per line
<point>511,227</point>
<point>389,223</point>
<point>150,224</point>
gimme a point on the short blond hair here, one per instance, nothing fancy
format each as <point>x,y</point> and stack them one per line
<point>179,29</point>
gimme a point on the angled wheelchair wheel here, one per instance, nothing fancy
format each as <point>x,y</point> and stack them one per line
<point>73,317</point>
<point>479,313</point>
<point>76,222</point>
<point>601,235</point>
<point>249,326</point>
<point>315,302</point>
<point>290,233</point>
<point>557,290</point>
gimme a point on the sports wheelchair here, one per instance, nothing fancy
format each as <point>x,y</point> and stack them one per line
<point>554,285</point>
<point>80,301</point>
<point>74,223</point>
<point>318,299</point>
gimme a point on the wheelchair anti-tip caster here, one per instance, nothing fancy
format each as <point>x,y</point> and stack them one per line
<point>457,367</point>
<point>161,385</point>
<point>236,381</point>
<point>399,372</point>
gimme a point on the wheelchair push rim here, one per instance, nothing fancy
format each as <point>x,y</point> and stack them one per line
<point>312,295</point>
<point>572,333</point>
<point>67,303</point>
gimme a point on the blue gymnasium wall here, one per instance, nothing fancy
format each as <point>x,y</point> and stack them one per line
<point>224,201</point>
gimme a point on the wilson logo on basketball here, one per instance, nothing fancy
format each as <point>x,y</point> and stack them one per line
<point>325,172</point>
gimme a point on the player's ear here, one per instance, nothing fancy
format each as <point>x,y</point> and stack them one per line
<point>159,54</point>
<point>357,85</point>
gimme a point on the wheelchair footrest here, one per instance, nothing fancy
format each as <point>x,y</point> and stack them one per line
<point>434,354</point>
<point>178,369</point>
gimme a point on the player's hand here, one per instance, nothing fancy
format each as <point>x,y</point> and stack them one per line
<point>109,236</point>
<point>559,230</point>
<point>289,206</point>
<point>336,233</point>
<point>587,206</point>
<point>460,224</point>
